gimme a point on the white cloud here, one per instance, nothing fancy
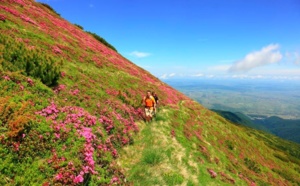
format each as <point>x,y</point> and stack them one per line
<point>163,76</point>
<point>198,75</point>
<point>172,74</point>
<point>222,68</point>
<point>267,55</point>
<point>243,76</point>
<point>91,5</point>
<point>210,76</point>
<point>139,54</point>
<point>166,76</point>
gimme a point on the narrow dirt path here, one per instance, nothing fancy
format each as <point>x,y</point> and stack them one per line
<point>156,157</point>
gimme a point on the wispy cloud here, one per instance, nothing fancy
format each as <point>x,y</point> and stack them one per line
<point>166,76</point>
<point>172,74</point>
<point>219,68</point>
<point>297,59</point>
<point>293,57</point>
<point>91,5</point>
<point>265,56</point>
<point>139,54</point>
<point>198,75</point>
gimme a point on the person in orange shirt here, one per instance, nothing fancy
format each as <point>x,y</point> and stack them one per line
<point>149,103</point>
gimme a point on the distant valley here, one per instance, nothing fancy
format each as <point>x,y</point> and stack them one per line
<point>265,105</point>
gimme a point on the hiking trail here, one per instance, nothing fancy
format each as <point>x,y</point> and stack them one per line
<point>156,157</point>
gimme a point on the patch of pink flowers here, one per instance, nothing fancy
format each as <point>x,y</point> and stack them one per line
<point>30,82</point>
<point>7,78</point>
<point>212,173</point>
<point>115,180</point>
<point>59,88</point>
<point>2,17</point>
<point>56,50</point>
<point>27,19</point>
<point>74,92</point>
<point>65,118</point>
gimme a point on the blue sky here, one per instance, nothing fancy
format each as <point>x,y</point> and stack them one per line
<point>197,38</point>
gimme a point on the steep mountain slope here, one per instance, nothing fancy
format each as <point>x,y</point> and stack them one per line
<point>239,118</point>
<point>284,128</point>
<point>69,104</point>
<point>288,129</point>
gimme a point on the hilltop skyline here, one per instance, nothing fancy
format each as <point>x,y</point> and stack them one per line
<point>192,39</point>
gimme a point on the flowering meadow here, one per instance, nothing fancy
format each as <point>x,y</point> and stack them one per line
<point>70,104</point>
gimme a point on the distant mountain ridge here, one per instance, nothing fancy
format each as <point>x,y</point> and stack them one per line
<point>285,128</point>
<point>71,114</point>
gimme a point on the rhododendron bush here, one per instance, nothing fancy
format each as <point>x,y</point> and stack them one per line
<point>66,143</point>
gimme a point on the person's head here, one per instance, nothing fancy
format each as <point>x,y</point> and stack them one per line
<point>153,93</point>
<point>148,93</point>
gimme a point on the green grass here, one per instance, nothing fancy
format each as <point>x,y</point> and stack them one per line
<point>152,156</point>
<point>173,178</point>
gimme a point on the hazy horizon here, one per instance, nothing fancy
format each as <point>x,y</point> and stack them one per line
<point>264,97</point>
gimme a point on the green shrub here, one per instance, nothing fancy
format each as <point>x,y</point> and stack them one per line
<point>103,41</point>
<point>79,26</point>
<point>252,165</point>
<point>282,158</point>
<point>35,63</point>
<point>286,175</point>
<point>49,7</point>
<point>229,144</point>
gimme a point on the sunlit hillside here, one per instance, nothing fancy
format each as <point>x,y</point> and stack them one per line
<point>71,114</point>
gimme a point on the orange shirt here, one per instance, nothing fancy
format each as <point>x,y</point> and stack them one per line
<point>150,101</point>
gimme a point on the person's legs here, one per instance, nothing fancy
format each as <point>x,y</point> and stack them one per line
<point>151,113</point>
<point>148,114</point>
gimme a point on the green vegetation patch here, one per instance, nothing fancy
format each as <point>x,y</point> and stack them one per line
<point>30,62</point>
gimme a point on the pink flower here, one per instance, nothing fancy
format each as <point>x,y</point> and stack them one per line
<point>2,18</point>
<point>16,146</point>
<point>114,179</point>
<point>6,78</point>
<point>57,135</point>
<point>56,50</point>
<point>70,163</point>
<point>212,173</point>
<point>74,92</point>
<point>29,81</point>
<point>78,179</point>
<point>58,176</point>
<point>115,153</point>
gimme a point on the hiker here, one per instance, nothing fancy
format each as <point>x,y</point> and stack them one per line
<point>149,103</point>
<point>156,101</point>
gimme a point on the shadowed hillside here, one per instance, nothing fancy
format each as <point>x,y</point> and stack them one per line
<point>239,118</point>
<point>71,114</point>
<point>288,129</point>
<point>285,128</point>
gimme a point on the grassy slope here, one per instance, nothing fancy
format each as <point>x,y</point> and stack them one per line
<point>285,128</point>
<point>182,151</point>
<point>72,133</point>
<point>239,118</point>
